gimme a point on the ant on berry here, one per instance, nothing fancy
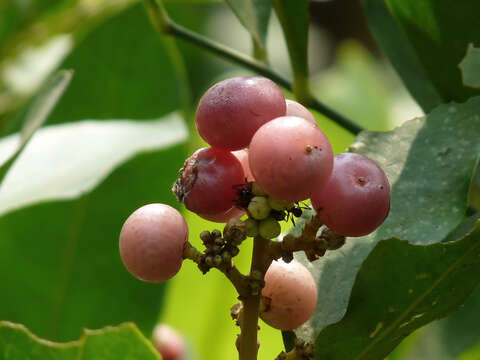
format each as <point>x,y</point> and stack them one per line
<point>244,193</point>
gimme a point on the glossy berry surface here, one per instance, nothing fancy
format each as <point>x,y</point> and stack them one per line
<point>231,111</point>
<point>356,199</point>
<point>208,180</point>
<point>290,158</point>
<point>291,294</point>
<point>296,109</point>
<point>169,343</point>
<point>151,242</point>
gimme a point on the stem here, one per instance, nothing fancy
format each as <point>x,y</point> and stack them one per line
<point>247,346</point>
<point>165,25</point>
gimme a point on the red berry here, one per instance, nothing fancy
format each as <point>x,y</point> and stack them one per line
<point>169,343</point>
<point>152,241</point>
<point>232,110</point>
<point>242,156</point>
<point>296,109</point>
<point>290,293</point>
<point>290,158</point>
<point>207,181</point>
<point>223,217</point>
<point>356,199</point>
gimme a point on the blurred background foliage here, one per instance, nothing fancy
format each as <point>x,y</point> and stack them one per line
<point>59,264</point>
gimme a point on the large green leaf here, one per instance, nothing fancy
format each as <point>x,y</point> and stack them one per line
<point>440,33</point>
<point>90,150</point>
<point>400,52</point>
<point>416,285</point>
<point>123,342</point>
<point>254,15</point>
<point>429,162</point>
<point>64,254</point>
<point>36,115</point>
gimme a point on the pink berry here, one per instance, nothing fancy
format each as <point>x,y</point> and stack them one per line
<point>232,110</point>
<point>169,343</point>
<point>223,217</point>
<point>290,293</point>
<point>152,241</point>
<point>296,109</point>
<point>356,199</point>
<point>290,158</point>
<point>242,156</point>
<point>207,181</point>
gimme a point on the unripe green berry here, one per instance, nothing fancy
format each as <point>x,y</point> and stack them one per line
<point>277,204</point>
<point>257,190</point>
<point>226,257</point>
<point>209,260</point>
<point>259,208</point>
<point>269,228</point>
<point>217,260</point>
<point>251,227</point>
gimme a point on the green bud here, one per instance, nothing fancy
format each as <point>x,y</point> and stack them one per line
<point>257,190</point>
<point>269,228</point>
<point>277,204</point>
<point>259,208</point>
<point>251,227</point>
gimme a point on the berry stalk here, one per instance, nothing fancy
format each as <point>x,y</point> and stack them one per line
<point>247,342</point>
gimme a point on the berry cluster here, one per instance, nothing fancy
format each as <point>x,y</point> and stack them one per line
<point>267,154</point>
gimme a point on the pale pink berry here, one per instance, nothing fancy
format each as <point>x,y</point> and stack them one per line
<point>290,158</point>
<point>290,295</point>
<point>242,156</point>
<point>152,241</point>
<point>356,199</point>
<point>296,109</point>
<point>169,343</point>
<point>231,111</point>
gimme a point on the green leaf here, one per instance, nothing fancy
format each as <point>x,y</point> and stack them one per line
<point>37,113</point>
<point>429,162</point>
<point>440,33</point>
<point>447,338</point>
<point>64,254</point>
<point>425,283</point>
<point>294,17</point>
<point>470,67</point>
<point>400,52</point>
<point>123,342</point>
<point>254,16</point>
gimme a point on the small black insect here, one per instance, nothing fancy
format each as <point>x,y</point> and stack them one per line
<point>244,195</point>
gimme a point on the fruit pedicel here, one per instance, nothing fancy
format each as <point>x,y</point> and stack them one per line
<point>267,154</point>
